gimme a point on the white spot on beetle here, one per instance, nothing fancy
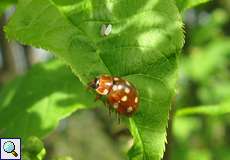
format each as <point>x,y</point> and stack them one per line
<point>115,78</point>
<point>127,90</point>
<point>115,105</point>
<point>115,88</point>
<point>136,100</point>
<point>124,98</point>
<point>106,91</point>
<point>129,109</point>
<point>120,87</point>
<point>127,83</point>
<point>109,83</point>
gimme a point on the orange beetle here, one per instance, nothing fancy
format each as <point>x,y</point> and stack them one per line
<point>121,95</point>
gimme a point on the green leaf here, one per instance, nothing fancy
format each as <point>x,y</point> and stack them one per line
<point>143,46</point>
<point>63,158</point>
<point>186,4</point>
<point>32,105</point>
<point>210,110</point>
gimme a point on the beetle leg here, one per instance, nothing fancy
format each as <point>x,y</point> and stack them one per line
<point>107,106</point>
<point>98,96</point>
<point>118,118</point>
<point>110,111</point>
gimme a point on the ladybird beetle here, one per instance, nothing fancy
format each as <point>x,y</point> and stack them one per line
<point>120,94</point>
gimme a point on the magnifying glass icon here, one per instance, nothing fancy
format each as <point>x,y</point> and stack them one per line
<point>9,147</point>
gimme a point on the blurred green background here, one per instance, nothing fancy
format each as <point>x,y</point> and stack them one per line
<point>204,80</point>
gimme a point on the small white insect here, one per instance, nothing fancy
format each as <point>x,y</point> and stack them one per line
<point>106,29</point>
